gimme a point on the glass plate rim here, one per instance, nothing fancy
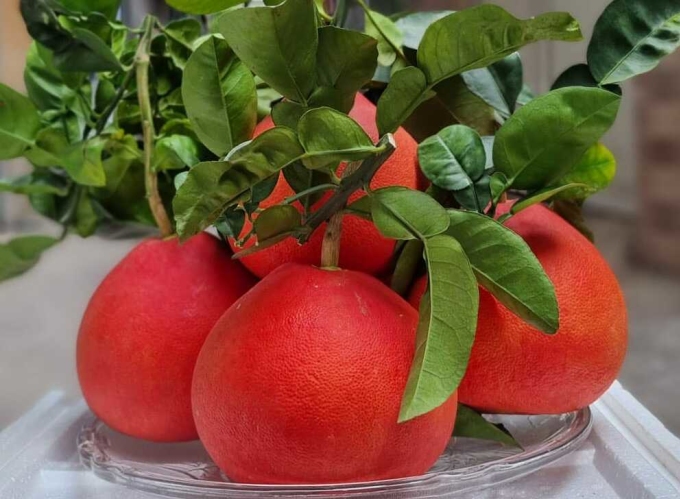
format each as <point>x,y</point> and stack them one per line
<point>521,464</point>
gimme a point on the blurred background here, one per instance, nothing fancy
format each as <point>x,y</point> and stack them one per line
<point>636,224</point>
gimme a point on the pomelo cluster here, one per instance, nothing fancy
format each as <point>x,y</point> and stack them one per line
<point>299,378</point>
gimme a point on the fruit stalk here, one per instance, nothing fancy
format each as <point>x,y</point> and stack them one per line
<point>141,63</point>
<point>330,246</point>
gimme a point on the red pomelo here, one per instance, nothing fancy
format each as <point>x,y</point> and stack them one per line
<point>516,369</point>
<point>363,248</point>
<point>143,329</point>
<point>301,381</point>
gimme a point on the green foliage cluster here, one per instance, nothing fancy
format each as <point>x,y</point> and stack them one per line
<point>454,80</point>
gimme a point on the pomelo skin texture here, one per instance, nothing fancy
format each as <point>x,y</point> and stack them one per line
<point>143,329</point>
<point>516,369</point>
<point>363,248</point>
<point>301,381</point>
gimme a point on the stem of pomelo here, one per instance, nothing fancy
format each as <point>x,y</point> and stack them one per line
<point>142,62</point>
<point>330,247</point>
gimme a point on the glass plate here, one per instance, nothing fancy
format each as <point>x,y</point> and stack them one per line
<point>186,471</point>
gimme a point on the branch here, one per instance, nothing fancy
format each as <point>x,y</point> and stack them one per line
<point>142,62</point>
<point>348,186</point>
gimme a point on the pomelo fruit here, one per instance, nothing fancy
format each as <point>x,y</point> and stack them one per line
<point>363,247</point>
<point>516,369</point>
<point>302,379</point>
<point>144,327</point>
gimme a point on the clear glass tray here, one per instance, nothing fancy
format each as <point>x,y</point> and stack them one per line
<point>186,471</point>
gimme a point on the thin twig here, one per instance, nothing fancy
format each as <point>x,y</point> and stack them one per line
<point>308,192</point>
<point>142,62</point>
<point>106,114</point>
<point>349,184</point>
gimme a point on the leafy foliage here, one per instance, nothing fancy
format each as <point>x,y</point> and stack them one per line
<point>19,123</point>
<point>455,160</point>
<point>203,6</point>
<point>22,253</point>
<point>506,267</point>
<point>467,40</point>
<point>448,313</point>
<point>284,51</point>
<point>631,38</point>
<point>220,97</point>
<point>123,124</point>
<point>551,133</point>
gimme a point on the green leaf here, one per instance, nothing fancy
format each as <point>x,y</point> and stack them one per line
<point>413,26</point>
<point>454,158</point>
<point>402,213</point>
<point>545,138</point>
<point>632,37</point>
<point>264,189</point>
<point>498,186</point>
<point>428,119</point>
<point>200,199</point>
<point>277,221</point>
<point>212,187</point>
<point>75,48</point>
<point>22,253</point>
<point>596,169</point>
<point>181,36</point>
<point>345,60</point>
<point>278,44</point>
<point>86,219</point>
<point>35,183</point>
<point>407,264</point>
<point>579,75</point>
<point>571,212</point>
<point>87,53</point>
<point>505,265</point>
<point>47,87</point>
<point>175,152</point>
<point>499,85</point>
<point>406,91</point>
<point>107,7</point>
<point>82,161</point>
<point>466,107</point>
<point>231,222</point>
<point>220,97</point>
<point>471,424</point>
<point>288,114</point>
<point>540,196</point>
<point>19,123</point>
<point>387,34</point>
<point>479,36</point>
<point>329,136</point>
<point>300,179</point>
<point>121,152</point>
<point>362,208</point>
<point>203,6</point>
<point>446,331</point>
